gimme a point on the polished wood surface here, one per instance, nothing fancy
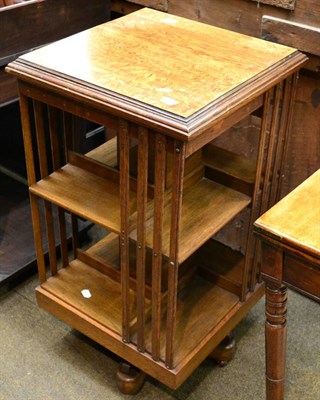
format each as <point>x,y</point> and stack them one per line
<point>92,189</point>
<point>295,220</point>
<point>104,295</point>
<point>174,86</point>
<point>158,195</point>
<point>290,235</point>
<point>211,215</point>
<point>145,81</point>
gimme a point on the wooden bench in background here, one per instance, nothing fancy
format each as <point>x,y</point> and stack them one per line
<point>25,25</point>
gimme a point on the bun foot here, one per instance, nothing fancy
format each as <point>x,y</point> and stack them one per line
<point>225,351</point>
<point>129,378</point>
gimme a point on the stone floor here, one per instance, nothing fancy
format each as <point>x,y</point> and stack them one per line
<point>41,358</point>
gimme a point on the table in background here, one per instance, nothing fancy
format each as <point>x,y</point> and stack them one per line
<point>290,235</point>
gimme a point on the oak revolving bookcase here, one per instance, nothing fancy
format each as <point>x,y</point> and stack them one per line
<point>163,293</point>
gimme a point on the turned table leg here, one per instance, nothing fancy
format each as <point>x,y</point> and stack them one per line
<point>276,335</point>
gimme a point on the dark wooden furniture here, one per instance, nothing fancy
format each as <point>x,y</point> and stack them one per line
<point>290,235</point>
<point>25,25</point>
<point>160,291</point>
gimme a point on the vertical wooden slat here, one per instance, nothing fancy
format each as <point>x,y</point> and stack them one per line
<point>35,212</point>
<point>42,152</point>
<point>63,237</point>
<point>160,168</point>
<point>68,131</point>
<point>173,268</point>
<point>53,118</point>
<point>124,234</point>
<point>37,232</point>
<point>288,122</point>
<point>27,139</point>
<point>69,139</point>
<point>75,230</point>
<point>269,170</point>
<point>255,197</point>
<point>142,191</point>
<point>40,135</point>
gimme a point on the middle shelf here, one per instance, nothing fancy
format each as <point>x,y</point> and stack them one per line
<point>206,206</point>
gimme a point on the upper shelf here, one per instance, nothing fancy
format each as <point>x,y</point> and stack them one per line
<point>161,69</point>
<point>206,207</point>
<point>85,194</point>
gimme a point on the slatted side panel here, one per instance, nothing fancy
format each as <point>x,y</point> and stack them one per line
<point>272,163</point>
<point>255,208</point>
<point>286,124</point>
<point>155,145</point>
<point>283,101</point>
<point>282,135</point>
<point>25,113</point>
<point>267,172</point>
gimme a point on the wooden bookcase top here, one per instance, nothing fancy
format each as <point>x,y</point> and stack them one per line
<point>168,70</point>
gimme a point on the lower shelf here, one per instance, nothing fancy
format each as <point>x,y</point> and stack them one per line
<point>201,305</point>
<point>104,303</point>
<point>206,314</point>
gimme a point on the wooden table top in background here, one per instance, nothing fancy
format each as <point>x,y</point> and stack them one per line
<point>295,220</point>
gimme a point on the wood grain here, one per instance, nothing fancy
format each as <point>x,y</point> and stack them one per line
<point>242,15</point>
<point>91,189</point>
<point>104,305</point>
<point>300,36</point>
<point>286,4</point>
<point>195,318</point>
<point>295,225</point>
<point>178,91</point>
<point>157,4</point>
<point>215,205</point>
